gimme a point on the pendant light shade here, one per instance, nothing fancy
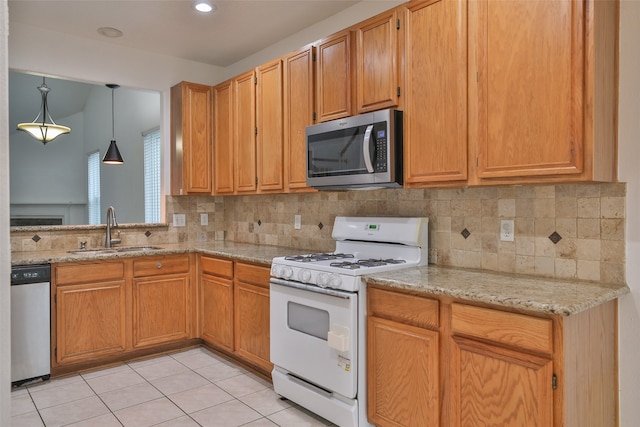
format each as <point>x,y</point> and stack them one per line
<point>113,156</point>
<point>43,131</point>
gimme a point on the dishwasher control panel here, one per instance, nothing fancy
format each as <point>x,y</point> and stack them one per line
<point>23,274</point>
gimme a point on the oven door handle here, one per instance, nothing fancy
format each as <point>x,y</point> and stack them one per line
<point>311,288</point>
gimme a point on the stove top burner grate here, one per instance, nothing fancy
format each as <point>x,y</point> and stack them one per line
<point>371,262</point>
<point>318,257</point>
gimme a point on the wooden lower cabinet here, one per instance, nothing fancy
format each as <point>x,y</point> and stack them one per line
<point>472,365</point>
<point>251,314</point>
<point>234,309</point>
<point>111,310</point>
<point>216,302</point>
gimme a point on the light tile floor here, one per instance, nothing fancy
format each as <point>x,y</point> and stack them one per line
<point>190,388</point>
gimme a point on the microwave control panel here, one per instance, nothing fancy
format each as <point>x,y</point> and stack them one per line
<point>381,151</point>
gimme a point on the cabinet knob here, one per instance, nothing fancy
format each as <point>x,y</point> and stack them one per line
<point>159,265</point>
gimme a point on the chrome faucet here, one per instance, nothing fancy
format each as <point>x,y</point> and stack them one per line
<point>111,222</point>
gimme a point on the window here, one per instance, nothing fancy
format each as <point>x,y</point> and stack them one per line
<point>152,175</point>
<point>93,188</point>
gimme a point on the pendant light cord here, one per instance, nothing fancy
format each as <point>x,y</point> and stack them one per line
<point>113,120</point>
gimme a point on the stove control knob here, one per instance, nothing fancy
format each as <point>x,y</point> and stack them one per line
<point>335,281</point>
<point>322,280</point>
<point>304,275</point>
<point>276,270</point>
<point>287,272</point>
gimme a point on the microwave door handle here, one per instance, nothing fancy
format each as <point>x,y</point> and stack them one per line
<point>365,148</point>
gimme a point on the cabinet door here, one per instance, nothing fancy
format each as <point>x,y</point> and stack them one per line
<point>530,65</point>
<point>436,93</point>
<point>298,114</point>
<point>216,311</point>
<point>251,324</point>
<point>223,155</point>
<point>161,309</point>
<point>402,374</point>
<point>377,62</point>
<point>90,321</point>
<point>244,101</point>
<point>494,386</point>
<point>334,73</point>
<point>269,121</point>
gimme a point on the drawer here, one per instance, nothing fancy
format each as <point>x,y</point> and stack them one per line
<point>404,308</point>
<point>88,272</point>
<point>152,266</point>
<point>254,274</point>
<point>216,266</point>
<point>513,329</point>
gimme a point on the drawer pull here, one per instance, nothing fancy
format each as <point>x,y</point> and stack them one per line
<point>159,265</point>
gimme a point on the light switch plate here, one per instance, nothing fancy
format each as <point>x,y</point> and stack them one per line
<point>179,220</point>
<point>297,222</point>
<point>204,219</point>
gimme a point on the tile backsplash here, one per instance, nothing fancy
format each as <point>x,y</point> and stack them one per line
<point>586,222</point>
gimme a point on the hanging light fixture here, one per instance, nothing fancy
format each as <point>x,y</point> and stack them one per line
<point>113,156</point>
<point>44,132</point>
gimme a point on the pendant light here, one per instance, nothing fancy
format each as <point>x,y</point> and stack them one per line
<point>113,156</point>
<point>44,132</point>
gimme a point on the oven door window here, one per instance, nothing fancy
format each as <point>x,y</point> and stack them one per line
<point>308,320</point>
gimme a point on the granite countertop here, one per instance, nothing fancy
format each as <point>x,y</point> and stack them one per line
<point>261,254</point>
<point>539,294</point>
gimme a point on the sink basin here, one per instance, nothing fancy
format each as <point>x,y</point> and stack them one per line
<point>114,250</point>
<point>137,248</point>
<point>93,251</point>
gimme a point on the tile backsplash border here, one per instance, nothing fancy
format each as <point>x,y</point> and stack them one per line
<point>587,221</point>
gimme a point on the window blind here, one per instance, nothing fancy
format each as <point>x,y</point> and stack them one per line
<point>152,176</point>
<point>93,187</point>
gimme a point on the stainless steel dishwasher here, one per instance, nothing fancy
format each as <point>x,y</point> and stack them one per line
<point>30,323</point>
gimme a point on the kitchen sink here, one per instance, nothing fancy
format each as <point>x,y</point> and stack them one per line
<point>114,250</point>
<point>137,248</point>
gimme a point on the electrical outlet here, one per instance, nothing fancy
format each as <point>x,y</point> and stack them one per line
<point>506,230</point>
<point>204,219</point>
<point>297,222</point>
<point>179,220</point>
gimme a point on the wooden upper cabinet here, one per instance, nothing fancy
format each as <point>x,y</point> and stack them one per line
<point>435,115</point>
<point>269,139</point>
<point>545,90</point>
<point>299,107</point>
<point>223,154</point>
<point>244,113</point>
<point>334,77</point>
<point>191,139</point>
<point>378,61</point>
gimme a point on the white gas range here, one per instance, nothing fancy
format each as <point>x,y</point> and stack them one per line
<point>318,313</point>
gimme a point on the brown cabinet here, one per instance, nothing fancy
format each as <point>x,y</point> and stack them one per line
<point>501,368</point>
<point>403,360</point>
<point>251,314</point>
<point>435,115</point>
<point>334,74</point>
<point>216,302</point>
<point>437,362</point>
<point>223,146</point>
<point>162,300</point>
<point>89,321</point>
<point>269,121</point>
<point>544,101</point>
<point>299,105</point>
<point>378,60</point>
<point>191,139</point>
<point>244,135</point>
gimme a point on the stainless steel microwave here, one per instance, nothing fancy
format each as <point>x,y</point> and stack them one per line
<point>357,152</point>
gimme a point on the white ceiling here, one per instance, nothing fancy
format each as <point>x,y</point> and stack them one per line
<point>235,30</point>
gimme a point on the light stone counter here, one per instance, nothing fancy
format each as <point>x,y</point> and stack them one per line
<point>539,294</point>
<point>262,254</point>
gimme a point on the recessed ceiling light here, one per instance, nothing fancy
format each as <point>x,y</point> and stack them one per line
<point>204,6</point>
<point>110,32</point>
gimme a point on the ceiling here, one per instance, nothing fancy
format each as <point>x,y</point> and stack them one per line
<point>236,29</point>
